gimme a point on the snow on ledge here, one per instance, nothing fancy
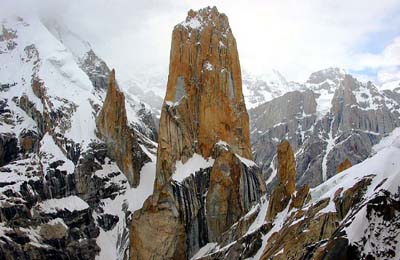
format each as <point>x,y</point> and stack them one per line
<point>184,170</point>
<point>54,154</point>
<point>171,104</point>
<point>58,221</point>
<point>71,203</point>
<point>223,144</point>
<point>204,250</point>
<point>247,162</point>
<point>193,23</point>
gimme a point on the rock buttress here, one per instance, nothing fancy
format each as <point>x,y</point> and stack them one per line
<point>203,113</point>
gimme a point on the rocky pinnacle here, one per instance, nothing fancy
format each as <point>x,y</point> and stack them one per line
<point>204,103</point>
<point>203,115</point>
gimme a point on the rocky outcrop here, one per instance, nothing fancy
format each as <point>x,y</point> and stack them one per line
<point>8,148</point>
<point>303,230</point>
<point>283,192</point>
<point>96,69</point>
<point>343,166</point>
<point>203,115</point>
<point>43,218</point>
<point>327,228</point>
<point>234,187</point>
<point>287,167</point>
<point>112,126</point>
<point>157,231</point>
<point>301,198</point>
<point>380,225</point>
<point>29,141</point>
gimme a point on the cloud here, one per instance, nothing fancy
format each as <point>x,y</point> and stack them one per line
<point>294,37</point>
<point>388,74</point>
<point>390,56</point>
<point>386,63</point>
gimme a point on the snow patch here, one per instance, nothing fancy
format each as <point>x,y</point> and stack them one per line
<point>194,164</point>
<point>193,23</point>
<point>245,161</point>
<point>204,250</point>
<point>324,102</point>
<point>52,153</point>
<point>208,66</point>
<point>71,203</point>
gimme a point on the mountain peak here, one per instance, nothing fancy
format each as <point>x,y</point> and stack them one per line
<point>205,17</point>
<point>333,74</point>
<point>68,38</point>
<point>204,125</point>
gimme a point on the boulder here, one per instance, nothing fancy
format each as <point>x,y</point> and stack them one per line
<point>54,229</point>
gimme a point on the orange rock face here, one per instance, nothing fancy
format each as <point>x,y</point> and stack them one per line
<point>156,231</point>
<point>225,201</point>
<point>112,126</point>
<point>287,182</point>
<point>204,101</point>
<point>343,166</point>
<point>203,105</point>
<point>287,167</point>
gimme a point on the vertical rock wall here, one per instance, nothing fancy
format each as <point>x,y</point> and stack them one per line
<point>204,101</point>
<point>112,126</point>
<point>203,113</point>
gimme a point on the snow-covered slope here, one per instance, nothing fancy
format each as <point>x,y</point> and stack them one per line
<point>355,214</point>
<point>31,55</point>
<point>57,181</point>
<point>138,111</point>
<point>149,87</point>
<point>258,89</point>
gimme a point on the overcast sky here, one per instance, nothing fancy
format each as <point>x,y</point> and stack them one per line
<point>292,36</point>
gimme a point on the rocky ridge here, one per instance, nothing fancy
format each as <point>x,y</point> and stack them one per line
<point>261,88</point>
<point>335,117</point>
<point>353,215</point>
<point>61,194</point>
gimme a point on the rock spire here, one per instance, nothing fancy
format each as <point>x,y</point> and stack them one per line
<point>203,116</point>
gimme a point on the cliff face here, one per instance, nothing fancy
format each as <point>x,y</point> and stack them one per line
<point>203,118</point>
<point>333,118</point>
<point>112,126</point>
<point>204,101</point>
